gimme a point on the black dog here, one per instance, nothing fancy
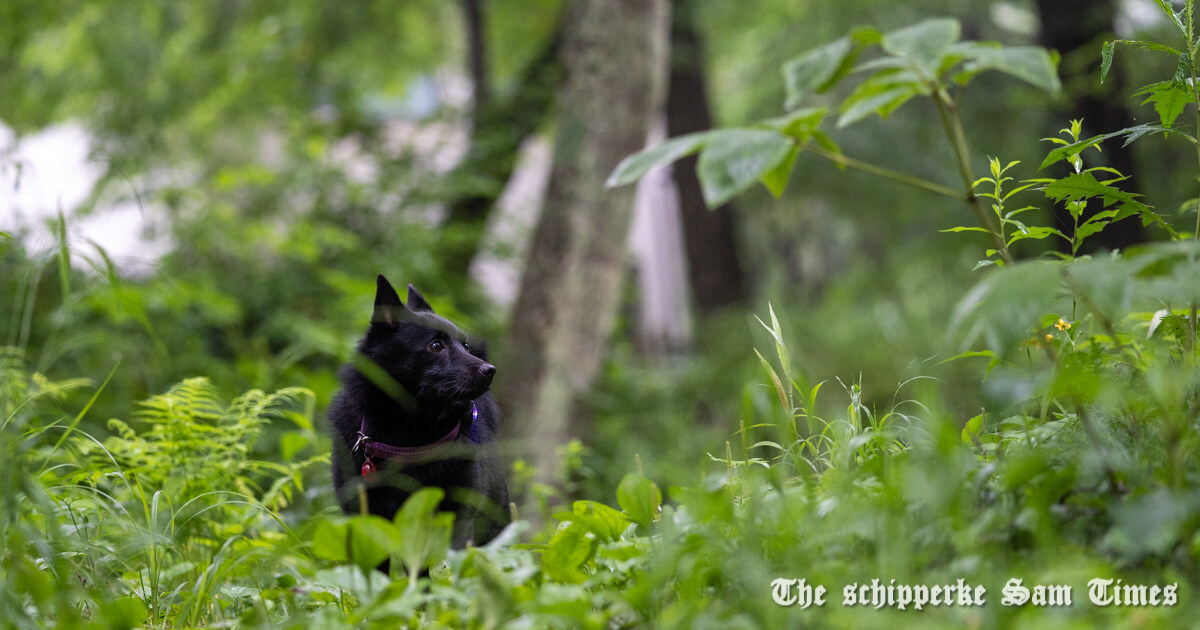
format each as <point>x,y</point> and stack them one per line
<point>415,411</point>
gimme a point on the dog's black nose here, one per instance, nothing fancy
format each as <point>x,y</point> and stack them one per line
<point>487,369</point>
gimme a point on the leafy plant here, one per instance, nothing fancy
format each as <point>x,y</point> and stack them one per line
<point>926,59</point>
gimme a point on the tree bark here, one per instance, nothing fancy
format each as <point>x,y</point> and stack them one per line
<point>1076,28</point>
<point>615,57</point>
<point>477,52</point>
<point>714,271</point>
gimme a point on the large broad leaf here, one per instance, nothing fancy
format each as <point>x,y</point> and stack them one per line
<point>566,552</point>
<point>329,541</point>
<point>819,69</point>
<point>924,44</point>
<point>635,166</point>
<point>604,522</point>
<point>1103,286</point>
<point>640,499</point>
<point>881,94</point>
<point>363,540</point>
<point>424,532</point>
<point>800,125</point>
<point>370,540</point>
<point>1031,64</point>
<point>811,71</point>
<point>1004,308</point>
<point>733,159</point>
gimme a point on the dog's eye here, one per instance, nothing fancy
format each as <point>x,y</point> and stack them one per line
<point>466,346</point>
<point>436,346</point>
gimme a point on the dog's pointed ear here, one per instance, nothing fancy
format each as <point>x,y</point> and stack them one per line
<point>416,301</point>
<point>387,302</point>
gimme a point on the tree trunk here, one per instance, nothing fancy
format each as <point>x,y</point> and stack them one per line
<point>481,85</point>
<point>615,57</point>
<point>1076,29</point>
<point>499,126</point>
<point>714,271</point>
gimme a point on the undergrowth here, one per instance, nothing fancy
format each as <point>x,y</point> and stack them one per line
<point>1081,466</point>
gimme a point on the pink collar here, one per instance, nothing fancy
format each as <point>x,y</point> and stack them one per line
<point>406,454</point>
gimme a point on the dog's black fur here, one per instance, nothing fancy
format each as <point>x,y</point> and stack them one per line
<point>433,375</point>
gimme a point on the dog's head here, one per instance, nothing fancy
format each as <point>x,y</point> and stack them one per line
<point>423,352</point>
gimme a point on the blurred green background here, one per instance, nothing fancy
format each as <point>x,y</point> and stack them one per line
<point>233,174</point>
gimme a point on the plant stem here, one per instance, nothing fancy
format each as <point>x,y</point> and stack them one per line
<point>888,173</point>
<point>952,125</point>
<point>1191,345</point>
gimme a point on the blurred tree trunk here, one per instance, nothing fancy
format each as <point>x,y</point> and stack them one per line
<point>477,52</point>
<point>498,128</point>
<point>714,271</point>
<point>614,52</point>
<point>1076,28</point>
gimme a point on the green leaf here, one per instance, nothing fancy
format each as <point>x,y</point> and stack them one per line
<point>1169,98</point>
<point>1031,64</point>
<point>733,159</point>
<point>1083,186</point>
<point>329,541</point>
<point>1131,133</point>
<point>972,430</point>
<point>776,179</point>
<point>924,44</point>
<point>566,552</point>
<point>1106,284</point>
<point>495,593</point>
<point>123,613</point>
<point>827,143</point>
<point>821,68</point>
<point>1106,57</point>
<point>815,70</point>
<point>1088,229</point>
<point>424,533</point>
<point>965,229</point>
<point>635,166</point>
<point>371,539</point>
<point>800,124</point>
<point>872,97</point>
<point>1109,48</point>
<point>1004,307</point>
<point>640,499</point>
<point>1036,232</point>
<point>1183,70</point>
<point>604,522</point>
<point>1176,17</point>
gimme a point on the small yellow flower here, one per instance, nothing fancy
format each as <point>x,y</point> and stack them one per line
<point>1049,337</point>
<point>1062,324</point>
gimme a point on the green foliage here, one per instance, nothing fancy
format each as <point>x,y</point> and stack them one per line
<point>926,59</point>
<point>1080,460</point>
